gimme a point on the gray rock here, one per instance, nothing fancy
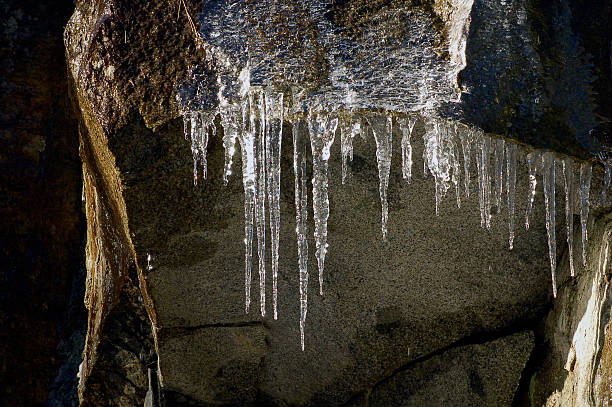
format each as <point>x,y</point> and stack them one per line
<point>472,375</point>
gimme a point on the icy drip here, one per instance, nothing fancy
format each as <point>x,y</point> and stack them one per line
<point>568,183</point>
<point>230,120</point>
<point>548,182</point>
<point>322,131</point>
<point>348,131</point>
<point>484,177</point>
<point>258,121</point>
<point>533,160</point>
<point>586,171</point>
<point>498,155</point>
<point>465,137</point>
<point>439,156</point>
<point>406,126</point>
<point>511,189</point>
<point>247,148</point>
<point>300,140</point>
<point>196,125</point>
<point>274,133</point>
<point>382,128</point>
<point>607,179</point>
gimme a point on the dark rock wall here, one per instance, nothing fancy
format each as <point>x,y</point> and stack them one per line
<point>41,223</point>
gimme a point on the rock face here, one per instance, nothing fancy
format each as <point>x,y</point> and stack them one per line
<point>443,309</point>
<point>41,223</point>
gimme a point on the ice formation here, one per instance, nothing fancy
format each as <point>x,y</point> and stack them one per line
<point>533,162</point>
<point>274,133</point>
<point>568,184</point>
<point>511,189</point>
<point>383,129</point>
<point>406,126</point>
<point>548,181</point>
<point>300,143</point>
<point>585,186</point>
<point>256,122</point>
<point>322,130</point>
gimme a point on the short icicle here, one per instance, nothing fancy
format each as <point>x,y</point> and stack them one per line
<point>568,183</point>
<point>257,118</point>
<point>247,146</point>
<point>406,125</point>
<point>231,115</point>
<point>511,189</point>
<point>274,133</point>
<point>322,132</point>
<point>586,171</point>
<point>382,128</point>
<point>300,143</point>
<point>548,182</point>
<point>347,133</point>
<point>533,162</point>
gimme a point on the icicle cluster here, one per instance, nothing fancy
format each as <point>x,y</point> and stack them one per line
<point>256,122</point>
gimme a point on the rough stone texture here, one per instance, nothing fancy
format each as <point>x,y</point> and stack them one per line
<point>573,369</point>
<point>41,223</point>
<point>386,307</point>
<point>469,375</point>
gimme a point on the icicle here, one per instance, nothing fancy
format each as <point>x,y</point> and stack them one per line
<point>498,155</point>
<point>382,128</point>
<point>347,133</point>
<point>186,124</point>
<point>257,120</point>
<point>511,189</point>
<point>533,160</point>
<point>199,125</point>
<point>568,182</point>
<point>607,179</point>
<point>274,134</point>
<point>439,155</point>
<point>455,162</point>
<point>484,176</point>
<point>548,181</point>
<point>247,146</point>
<point>231,114</point>
<point>406,126</point>
<point>586,171</point>
<point>466,137</point>
<point>322,131</point>
<point>300,140</point>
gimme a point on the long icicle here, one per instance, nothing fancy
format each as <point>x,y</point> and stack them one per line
<point>382,128</point>
<point>586,170</point>
<point>300,140</point>
<point>548,182</point>
<point>511,189</point>
<point>466,137</point>
<point>406,126</point>
<point>274,135</point>
<point>533,162</point>
<point>249,171</point>
<point>322,132</point>
<point>568,183</point>
<point>499,170</point>
<point>258,123</point>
